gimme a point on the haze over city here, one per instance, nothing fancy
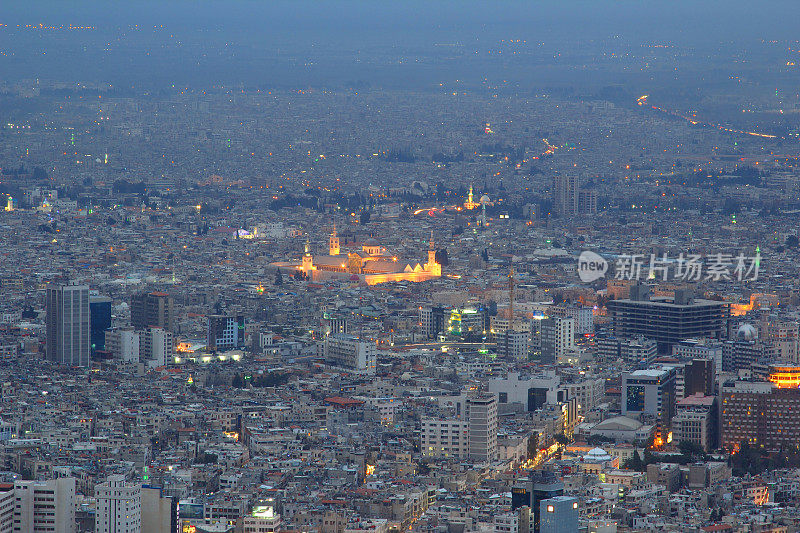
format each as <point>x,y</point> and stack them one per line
<point>372,267</point>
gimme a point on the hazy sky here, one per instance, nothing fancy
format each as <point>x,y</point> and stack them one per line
<point>391,42</point>
<point>694,20</point>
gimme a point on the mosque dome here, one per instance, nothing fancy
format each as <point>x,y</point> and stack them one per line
<point>598,455</point>
<point>485,199</point>
<point>372,242</point>
<point>747,332</point>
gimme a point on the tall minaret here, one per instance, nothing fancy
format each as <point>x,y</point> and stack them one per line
<point>333,242</point>
<point>308,260</point>
<point>432,266</point>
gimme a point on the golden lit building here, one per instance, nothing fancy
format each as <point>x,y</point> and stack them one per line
<point>372,263</point>
<point>471,203</point>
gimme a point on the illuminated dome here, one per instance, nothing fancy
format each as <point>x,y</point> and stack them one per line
<point>597,455</point>
<point>485,199</point>
<point>747,332</point>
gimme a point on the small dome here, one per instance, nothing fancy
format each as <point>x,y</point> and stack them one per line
<point>747,332</point>
<point>485,199</point>
<point>597,454</point>
<point>372,242</point>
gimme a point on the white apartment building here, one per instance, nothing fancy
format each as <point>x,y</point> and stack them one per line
<point>471,435</point>
<point>156,346</point>
<point>557,335</point>
<point>445,438</point>
<point>44,506</point>
<point>123,343</point>
<point>350,352</point>
<point>119,507</point>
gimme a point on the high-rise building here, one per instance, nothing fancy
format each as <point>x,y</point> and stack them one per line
<point>45,506</point>
<point>742,354</point>
<point>558,515</point>
<point>99,321</point>
<point>159,512</point>
<point>481,412</point>
<point>513,344</point>
<point>432,320</point>
<point>68,325</point>
<point>638,352</point>
<point>650,391</point>
<point>668,320</point>
<point>697,376</point>
<point>156,346</point>
<point>544,484</point>
<point>557,335</point>
<point>152,309</point>
<point>696,421</point>
<point>6,507</point>
<point>472,434</point>
<point>760,413</point>
<point>350,352</point>
<point>225,332</point>
<point>700,349</point>
<point>571,199</point>
<point>119,506</point>
<point>584,319</point>
<point>123,344</point>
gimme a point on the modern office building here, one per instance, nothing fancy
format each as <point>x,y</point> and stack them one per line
<point>99,321</point>
<point>557,335</point>
<point>668,320</point>
<point>650,391</point>
<point>558,515</point>
<point>68,337</point>
<point>119,506</point>
<point>544,485</point>
<point>350,352</point>
<point>152,309</point>
<point>225,332</point>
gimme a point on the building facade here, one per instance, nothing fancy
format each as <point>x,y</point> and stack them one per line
<point>68,335</point>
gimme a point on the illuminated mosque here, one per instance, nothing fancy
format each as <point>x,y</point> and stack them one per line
<point>372,264</point>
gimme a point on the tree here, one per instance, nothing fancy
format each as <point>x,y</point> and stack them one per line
<point>533,445</point>
<point>791,241</point>
<point>634,463</point>
<point>238,381</point>
<point>364,218</point>
<point>441,257</point>
<point>278,277</point>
